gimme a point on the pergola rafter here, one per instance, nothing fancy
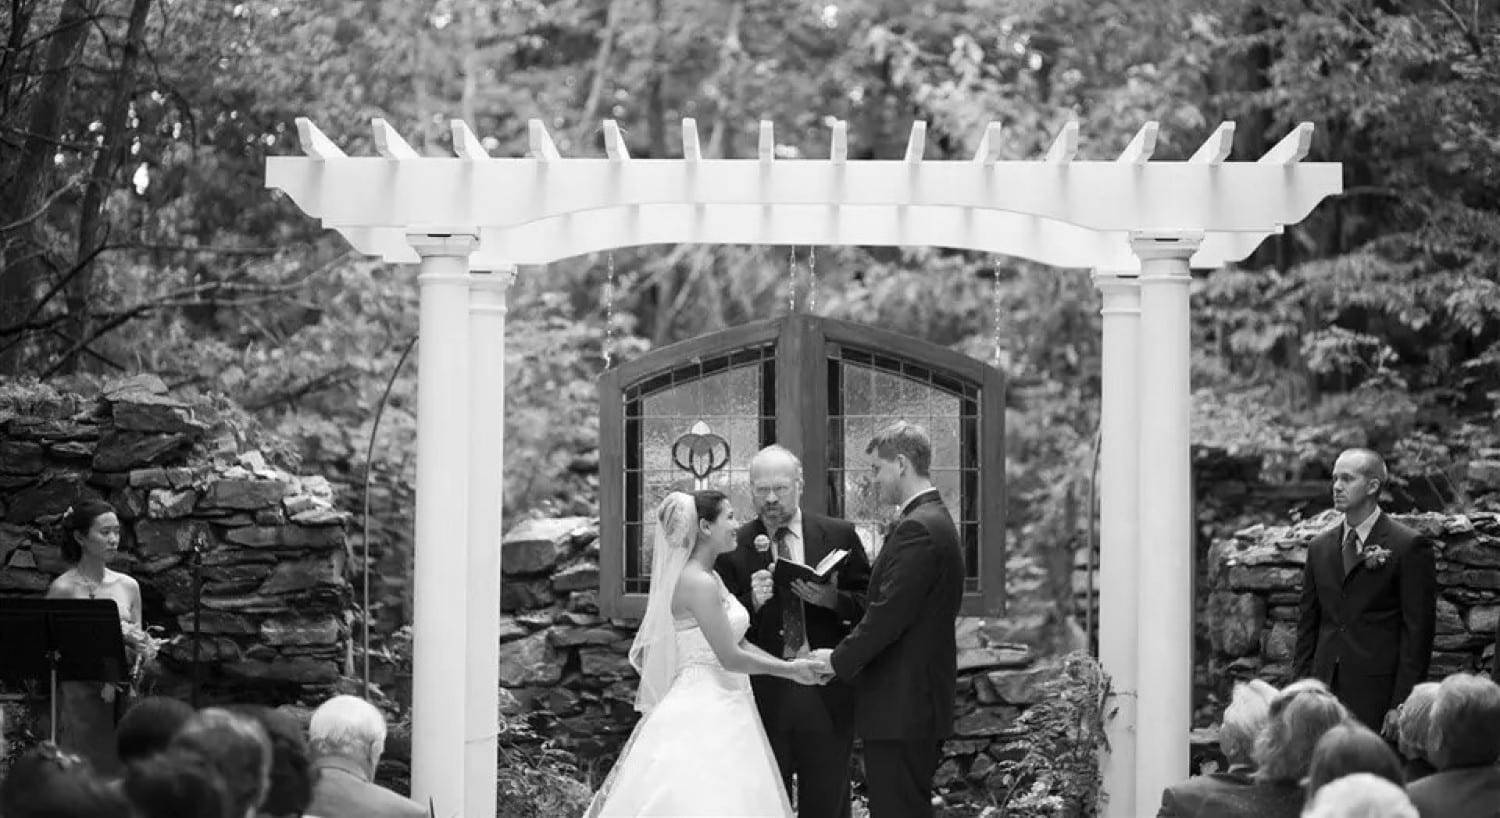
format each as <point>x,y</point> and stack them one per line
<point>1137,222</point>
<point>1057,210</point>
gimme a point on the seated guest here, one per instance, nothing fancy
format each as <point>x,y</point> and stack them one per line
<point>1361,795</point>
<point>148,726</point>
<point>291,770</point>
<point>1244,718</point>
<point>238,748</point>
<point>347,735</point>
<point>175,784</point>
<point>47,782</point>
<point>1300,715</point>
<point>1464,740</point>
<point>1411,731</point>
<point>1352,748</point>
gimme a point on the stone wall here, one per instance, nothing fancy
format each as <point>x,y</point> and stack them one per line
<point>1254,579</point>
<point>271,549</point>
<point>566,666</point>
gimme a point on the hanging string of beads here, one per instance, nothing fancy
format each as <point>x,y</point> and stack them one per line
<point>812,279</point>
<point>609,310</point>
<point>996,317</point>
<point>791,280</point>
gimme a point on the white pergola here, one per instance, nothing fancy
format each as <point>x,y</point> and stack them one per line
<point>470,219</point>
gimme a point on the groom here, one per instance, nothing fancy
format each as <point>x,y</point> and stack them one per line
<point>810,728</point>
<point>902,657</point>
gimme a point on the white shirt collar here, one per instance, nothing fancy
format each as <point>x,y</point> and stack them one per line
<point>1364,527</point>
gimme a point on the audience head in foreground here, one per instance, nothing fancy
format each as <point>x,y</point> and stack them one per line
<point>1361,795</point>
<point>148,726</point>
<point>1412,721</point>
<point>1299,716</point>
<point>347,737</point>
<point>291,784</point>
<point>47,782</point>
<point>1464,726</point>
<point>1351,748</point>
<point>1246,716</point>
<point>176,784</point>
<point>238,748</point>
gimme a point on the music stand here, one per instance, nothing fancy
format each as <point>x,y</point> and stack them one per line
<point>75,640</point>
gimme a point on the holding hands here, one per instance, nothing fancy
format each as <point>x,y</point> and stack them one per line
<point>810,671</point>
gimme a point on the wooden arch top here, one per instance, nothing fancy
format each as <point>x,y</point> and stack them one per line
<point>1055,209</point>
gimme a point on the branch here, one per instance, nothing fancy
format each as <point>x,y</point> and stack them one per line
<point>1470,35</point>
<point>333,377</point>
<point>258,252</point>
<point>46,204</point>
<point>601,67</point>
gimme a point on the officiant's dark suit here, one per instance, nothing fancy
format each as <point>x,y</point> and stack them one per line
<point>902,657</point>
<point>811,729</point>
<point>1368,604</point>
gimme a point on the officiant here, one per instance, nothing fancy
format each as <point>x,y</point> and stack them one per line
<point>811,729</point>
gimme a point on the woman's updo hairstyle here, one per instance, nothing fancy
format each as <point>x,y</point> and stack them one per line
<point>76,522</point>
<point>710,504</point>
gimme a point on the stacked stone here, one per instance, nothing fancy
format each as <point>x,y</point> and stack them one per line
<point>270,546</point>
<point>559,655</point>
<point>1255,579</point>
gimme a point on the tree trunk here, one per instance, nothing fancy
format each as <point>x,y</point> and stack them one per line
<point>11,75</point>
<point>23,240</point>
<point>92,226</point>
<point>601,69</point>
<point>656,109</point>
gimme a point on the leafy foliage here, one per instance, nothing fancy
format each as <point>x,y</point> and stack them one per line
<point>1057,772</point>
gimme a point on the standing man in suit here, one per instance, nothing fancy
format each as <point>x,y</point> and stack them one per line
<point>902,657</point>
<point>1369,598</point>
<point>811,729</point>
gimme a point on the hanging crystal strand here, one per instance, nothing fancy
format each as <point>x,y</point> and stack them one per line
<point>791,280</point>
<point>812,279</point>
<point>997,317</point>
<point>609,311</point>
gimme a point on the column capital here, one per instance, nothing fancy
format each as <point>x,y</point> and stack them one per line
<point>1121,291</point>
<point>1165,244</point>
<point>492,280</point>
<point>445,244</point>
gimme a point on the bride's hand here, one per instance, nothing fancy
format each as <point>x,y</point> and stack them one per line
<point>805,672</point>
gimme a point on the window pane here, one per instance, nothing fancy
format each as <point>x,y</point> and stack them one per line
<point>733,395</point>
<point>877,390</point>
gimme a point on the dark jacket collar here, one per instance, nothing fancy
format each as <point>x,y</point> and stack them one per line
<point>928,496</point>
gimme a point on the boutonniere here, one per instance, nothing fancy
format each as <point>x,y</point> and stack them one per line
<point>1376,556</point>
<point>762,543</point>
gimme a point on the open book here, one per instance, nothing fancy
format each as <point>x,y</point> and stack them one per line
<point>783,572</point>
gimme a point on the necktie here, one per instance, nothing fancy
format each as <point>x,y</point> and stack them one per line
<point>1351,550</point>
<point>793,622</point>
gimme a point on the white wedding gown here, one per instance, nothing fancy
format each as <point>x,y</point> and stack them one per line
<point>702,750</point>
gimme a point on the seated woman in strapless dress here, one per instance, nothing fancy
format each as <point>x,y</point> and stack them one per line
<point>87,711</point>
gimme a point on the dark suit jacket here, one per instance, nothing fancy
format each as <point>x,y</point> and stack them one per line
<point>902,657</point>
<point>341,790</point>
<point>1375,622</point>
<point>1229,795</point>
<point>825,627</point>
<point>1465,792</point>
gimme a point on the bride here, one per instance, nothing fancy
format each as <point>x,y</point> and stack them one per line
<point>699,749</point>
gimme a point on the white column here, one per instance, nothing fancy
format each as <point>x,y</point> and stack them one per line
<point>1165,583</point>
<point>487,307</point>
<point>440,575</point>
<point>1119,541</point>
